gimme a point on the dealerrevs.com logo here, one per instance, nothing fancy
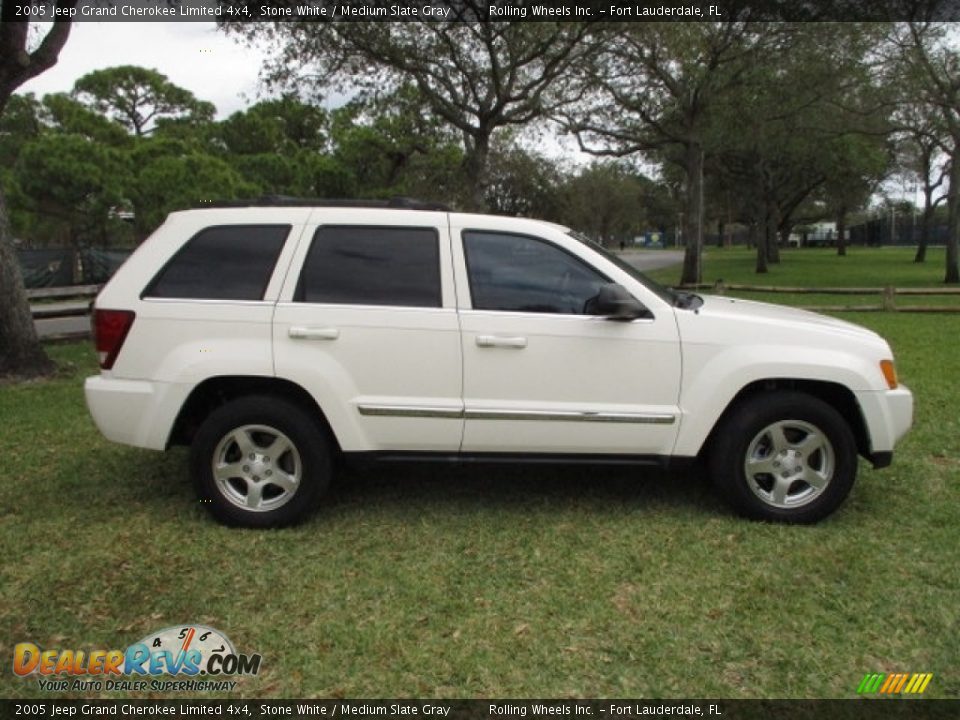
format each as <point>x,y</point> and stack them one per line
<point>184,652</point>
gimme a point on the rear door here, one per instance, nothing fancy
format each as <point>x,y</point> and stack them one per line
<point>367,323</point>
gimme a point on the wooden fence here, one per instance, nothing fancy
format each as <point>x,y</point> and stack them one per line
<point>887,296</point>
<point>61,302</point>
<point>71,291</point>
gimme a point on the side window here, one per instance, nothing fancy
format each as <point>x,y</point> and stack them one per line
<point>523,274</point>
<point>229,262</point>
<point>372,266</point>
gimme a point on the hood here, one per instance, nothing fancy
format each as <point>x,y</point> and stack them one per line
<point>779,316</point>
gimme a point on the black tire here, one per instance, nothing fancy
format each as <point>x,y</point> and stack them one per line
<point>801,454</point>
<point>253,489</point>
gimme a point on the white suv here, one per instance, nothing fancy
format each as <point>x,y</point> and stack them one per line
<point>270,336</point>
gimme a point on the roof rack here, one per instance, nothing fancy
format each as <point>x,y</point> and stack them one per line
<point>397,203</point>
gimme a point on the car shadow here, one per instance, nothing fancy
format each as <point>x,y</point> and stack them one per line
<point>455,486</point>
<point>160,484</point>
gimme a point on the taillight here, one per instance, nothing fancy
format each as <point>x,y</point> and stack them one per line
<point>110,328</point>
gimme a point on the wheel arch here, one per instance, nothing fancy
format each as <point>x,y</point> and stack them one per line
<point>215,392</point>
<point>837,396</point>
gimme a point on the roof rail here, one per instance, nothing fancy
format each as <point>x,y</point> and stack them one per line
<point>399,203</point>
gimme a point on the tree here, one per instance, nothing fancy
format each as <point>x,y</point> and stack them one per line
<point>75,181</point>
<point>64,114</point>
<point>522,183</point>
<point>478,77</point>
<point>930,64</point>
<point>391,146</point>
<point>925,151</point>
<point>606,201</point>
<point>276,127</point>
<point>172,175</point>
<point>19,125</point>
<point>816,151</point>
<point>854,166</point>
<point>658,85</point>
<point>282,147</point>
<point>20,351</point>
<point>272,144</point>
<point>139,98</point>
<point>924,127</point>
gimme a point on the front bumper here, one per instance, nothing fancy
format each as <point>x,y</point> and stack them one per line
<point>888,415</point>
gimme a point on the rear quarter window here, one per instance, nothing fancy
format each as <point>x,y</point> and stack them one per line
<point>226,262</point>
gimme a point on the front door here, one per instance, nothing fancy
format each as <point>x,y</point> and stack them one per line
<point>543,375</point>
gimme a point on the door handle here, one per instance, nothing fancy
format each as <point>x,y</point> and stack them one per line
<point>516,342</point>
<point>312,333</point>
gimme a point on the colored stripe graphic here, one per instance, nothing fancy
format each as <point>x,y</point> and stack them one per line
<point>894,683</point>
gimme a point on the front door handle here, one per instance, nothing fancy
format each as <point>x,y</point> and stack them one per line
<point>313,333</point>
<point>517,342</point>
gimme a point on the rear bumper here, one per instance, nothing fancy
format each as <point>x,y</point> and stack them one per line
<point>134,412</point>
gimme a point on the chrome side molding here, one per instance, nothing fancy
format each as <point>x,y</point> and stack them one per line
<point>493,414</point>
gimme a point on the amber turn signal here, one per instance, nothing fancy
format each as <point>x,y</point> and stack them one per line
<point>889,373</point>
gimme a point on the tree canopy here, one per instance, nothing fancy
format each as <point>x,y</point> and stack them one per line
<point>139,98</point>
<point>478,77</point>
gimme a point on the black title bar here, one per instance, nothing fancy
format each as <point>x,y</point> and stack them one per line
<point>480,10</point>
<point>863,709</point>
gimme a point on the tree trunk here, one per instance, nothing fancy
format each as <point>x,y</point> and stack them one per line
<point>762,258</point>
<point>925,219</point>
<point>786,229</point>
<point>475,165</point>
<point>753,240</point>
<point>21,354</point>
<point>770,234</point>
<point>693,215</point>
<point>952,274</point>
<point>927,150</point>
<point>842,231</point>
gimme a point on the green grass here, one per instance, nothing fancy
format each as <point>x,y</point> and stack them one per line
<point>821,267</point>
<point>448,582</point>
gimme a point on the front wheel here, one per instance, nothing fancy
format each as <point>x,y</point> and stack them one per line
<point>785,456</point>
<point>260,462</point>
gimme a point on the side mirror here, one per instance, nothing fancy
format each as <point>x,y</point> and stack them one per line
<point>616,303</point>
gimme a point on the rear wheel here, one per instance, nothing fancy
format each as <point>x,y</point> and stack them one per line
<point>260,461</point>
<point>785,456</point>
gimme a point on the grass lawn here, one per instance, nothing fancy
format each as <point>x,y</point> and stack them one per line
<point>821,267</point>
<point>448,582</point>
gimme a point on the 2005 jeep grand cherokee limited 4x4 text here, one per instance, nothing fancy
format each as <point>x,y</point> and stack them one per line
<point>270,336</point>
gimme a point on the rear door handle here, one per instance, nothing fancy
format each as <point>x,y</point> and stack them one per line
<point>313,333</point>
<point>518,342</point>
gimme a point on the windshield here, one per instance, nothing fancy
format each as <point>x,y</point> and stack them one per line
<point>664,293</point>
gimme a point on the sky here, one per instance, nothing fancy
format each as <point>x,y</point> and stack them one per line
<point>193,55</point>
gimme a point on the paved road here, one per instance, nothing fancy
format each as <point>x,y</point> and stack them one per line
<point>80,325</point>
<point>75,325</point>
<point>63,326</point>
<point>652,259</point>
